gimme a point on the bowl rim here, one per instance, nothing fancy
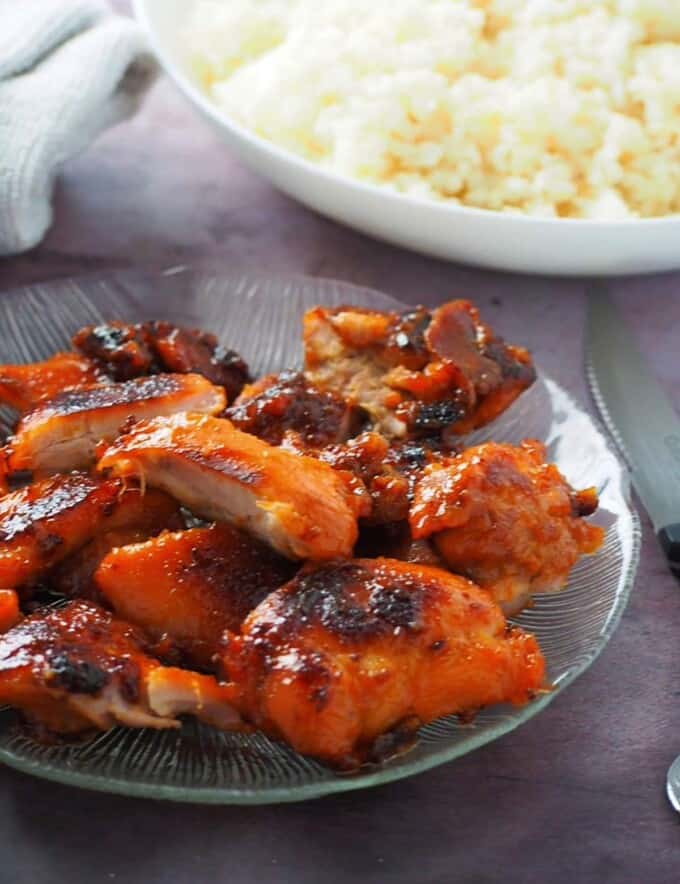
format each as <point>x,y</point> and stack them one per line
<point>442,209</point>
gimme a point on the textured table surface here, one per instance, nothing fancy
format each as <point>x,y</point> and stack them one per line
<point>577,794</point>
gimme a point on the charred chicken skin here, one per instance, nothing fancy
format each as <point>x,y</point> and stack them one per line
<point>42,524</point>
<point>77,668</point>
<point>346,660</point>
<point>189,586</point>
<point>126,351</point>
<point>62,434</point>
<point>288,403</point>
<point>301,507</point>
<point>417,373</point>
<point>23,387</point>
<point>506,519</point>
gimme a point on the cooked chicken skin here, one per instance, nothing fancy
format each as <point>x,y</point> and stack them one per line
<point>415,373</point>
<point>299,506</point>
<point>42,524</point>
<point>187,587</point>
<point>506,519</point>
<point>288,402</point>
<point>61,435</point>
<point>76,668</point>
<point>346,660</point>
<point>128,351</point>
<point>23,387</point>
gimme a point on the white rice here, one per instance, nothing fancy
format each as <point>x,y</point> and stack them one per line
<point>567,108</point>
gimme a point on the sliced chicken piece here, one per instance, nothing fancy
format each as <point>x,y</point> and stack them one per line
<point>9,609</point>
<point>23,387</point>
<point>349,658</point>
<point>506,519</point>
<point>415,373</point>
<point>61,435</point>
<point>74,577</point>
<point>278,404</point>
<point>76,668</point>
<point>189,586</point>
<point>42,524</point>
<point>129,351</point>
<point>301,507</point>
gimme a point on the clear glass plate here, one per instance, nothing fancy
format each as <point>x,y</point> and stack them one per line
<point>260,317</point>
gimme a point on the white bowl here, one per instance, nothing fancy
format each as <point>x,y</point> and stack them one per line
<point>475,236</point>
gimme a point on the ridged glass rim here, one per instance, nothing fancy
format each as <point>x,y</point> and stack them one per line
<point>364,779</point>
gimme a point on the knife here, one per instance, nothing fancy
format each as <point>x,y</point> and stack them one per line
<point>638,415</point>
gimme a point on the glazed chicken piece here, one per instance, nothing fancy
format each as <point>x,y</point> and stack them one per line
<point>191,350</point>
<point>187,587</point>
<point>122,351</point>
<point>23,387</point>
<point>76,668</point>
<point>417,373</point>
<point>127,351</point>
<point>349,658</point>
<point>61,435</point>
<point>42,524</point>
<point>301,507</point>
<point>506,519</point>
<point>388,470</point>
<point>74,576</point>
<point>279,404</point>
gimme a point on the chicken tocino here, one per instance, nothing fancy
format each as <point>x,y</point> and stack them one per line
<point>416,373</point>
<point>301,507</point>
<point>288,403</point>
<point>506,519</point>
<point>23,387</point>
<point>42,524</point>
<point>61,435</point>
<point>124,351</point>
<point>76,668</point>
<point>350,657</point>
<point>187,587</point>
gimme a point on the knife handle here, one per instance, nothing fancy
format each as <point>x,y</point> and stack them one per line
<point>669,538</point>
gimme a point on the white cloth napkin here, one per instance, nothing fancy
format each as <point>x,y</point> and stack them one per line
<point>68,71</point>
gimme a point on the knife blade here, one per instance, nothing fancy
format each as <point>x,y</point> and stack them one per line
<point>636,412</point>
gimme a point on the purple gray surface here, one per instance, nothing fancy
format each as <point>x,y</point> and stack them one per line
<point>577,794</point>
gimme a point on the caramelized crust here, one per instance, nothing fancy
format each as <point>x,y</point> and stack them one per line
<point>122,351</point>
<point>299,506</point>
<point>507,519</point>
<point>62,434</point>
<point>189,586</point>
<point>129,351</point>
<point>415,373</point>
<point>42,524</point>
<point>346,660</point>
<point>23,387</point>
<point>76,668</point>
<point>183,350</point>
<point>288,402</point>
